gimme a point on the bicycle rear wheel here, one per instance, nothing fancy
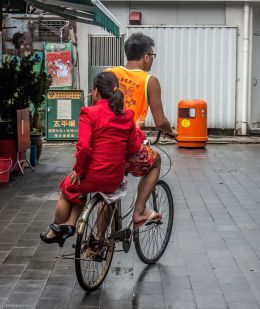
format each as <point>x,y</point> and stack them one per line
<point>152,240</point>
<point>93,255</point>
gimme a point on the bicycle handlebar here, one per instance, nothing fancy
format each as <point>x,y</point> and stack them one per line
<point>159,133</point>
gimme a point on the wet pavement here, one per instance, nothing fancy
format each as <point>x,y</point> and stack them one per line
<point>212,260</point>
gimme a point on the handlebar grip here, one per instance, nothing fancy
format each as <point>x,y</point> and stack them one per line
<point>157,138</point>
<point>171,136</point>
<point>159,133</point>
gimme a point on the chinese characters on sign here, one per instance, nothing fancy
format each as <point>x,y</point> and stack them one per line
<point>64,129</point>
<point>64,123</point>
<point>73,95</point>
<point>63,109</point>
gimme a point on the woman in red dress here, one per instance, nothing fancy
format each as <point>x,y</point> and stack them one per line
<point>106,133</point>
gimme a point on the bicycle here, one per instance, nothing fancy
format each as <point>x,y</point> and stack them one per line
<point>96,241</point>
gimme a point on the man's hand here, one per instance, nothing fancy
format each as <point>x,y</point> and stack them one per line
<point>155,103</point>
<point>173,135</point>
<point>74,178</point>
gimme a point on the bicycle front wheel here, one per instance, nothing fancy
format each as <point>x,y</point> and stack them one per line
<point>152,240</point>
<point>93,254</point>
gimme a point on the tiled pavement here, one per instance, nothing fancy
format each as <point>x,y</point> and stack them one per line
<point>212,261</point>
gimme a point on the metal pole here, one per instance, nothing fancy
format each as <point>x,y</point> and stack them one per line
<point>244,113</point>
<point>61,29</point>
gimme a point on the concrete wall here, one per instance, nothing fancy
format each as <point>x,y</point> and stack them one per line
<point>168,14</point>
<point>20,21</point>
<point>171,14</point>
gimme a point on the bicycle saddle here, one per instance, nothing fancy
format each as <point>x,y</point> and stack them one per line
<point>117,195</point>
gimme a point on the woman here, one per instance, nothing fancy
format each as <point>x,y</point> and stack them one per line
<point>106,133</point>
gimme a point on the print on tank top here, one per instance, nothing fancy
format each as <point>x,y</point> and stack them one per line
<point>128,87</point>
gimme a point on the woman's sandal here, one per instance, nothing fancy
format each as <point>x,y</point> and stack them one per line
<point>51,240</point>
<point>62,232</point>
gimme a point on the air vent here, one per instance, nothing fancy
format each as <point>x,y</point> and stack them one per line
<point>47,30</point>
<point>106,51</point>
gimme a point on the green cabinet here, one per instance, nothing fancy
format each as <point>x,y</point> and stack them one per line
<point>62,114</point>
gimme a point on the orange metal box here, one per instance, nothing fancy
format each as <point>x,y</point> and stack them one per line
<point>192,124</point>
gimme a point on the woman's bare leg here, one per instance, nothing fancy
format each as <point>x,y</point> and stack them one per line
<point>63,209</point>
<point>62,212</point>
<point>103,219</point>
<point>75,213</point>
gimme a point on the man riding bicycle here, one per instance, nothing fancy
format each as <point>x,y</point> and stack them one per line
<point>140,91</point>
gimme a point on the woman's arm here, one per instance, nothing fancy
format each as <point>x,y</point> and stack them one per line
<point>135,140</point>
<point>83,146</point>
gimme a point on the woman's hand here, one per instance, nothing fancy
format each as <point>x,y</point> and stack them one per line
<point>74,178</point>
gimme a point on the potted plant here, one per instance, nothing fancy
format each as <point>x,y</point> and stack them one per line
<point>36,139</point>
<point>8,96</point>
<point>9,89</point>
<point>41,85</point>
<point>21,86</point>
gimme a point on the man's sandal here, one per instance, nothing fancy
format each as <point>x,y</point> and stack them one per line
<point>154,217</point>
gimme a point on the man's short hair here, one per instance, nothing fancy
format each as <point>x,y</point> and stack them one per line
<point>137,45</point>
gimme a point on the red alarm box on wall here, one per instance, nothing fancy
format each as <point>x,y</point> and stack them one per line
<point>135,18</point>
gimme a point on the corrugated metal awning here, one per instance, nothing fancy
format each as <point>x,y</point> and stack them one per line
<point>84,11</point>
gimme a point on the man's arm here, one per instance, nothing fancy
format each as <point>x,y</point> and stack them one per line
<point>155,102</point>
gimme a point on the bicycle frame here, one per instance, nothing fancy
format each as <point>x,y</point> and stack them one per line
<point>128,212</point>
<point>88,206</point>
<point>92,202</point>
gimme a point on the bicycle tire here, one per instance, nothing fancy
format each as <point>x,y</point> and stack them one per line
<point>92,265</point>
<point>153,232</point>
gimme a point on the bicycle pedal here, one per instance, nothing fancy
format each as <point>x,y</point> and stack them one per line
<point>154,222</point>
<point>121,235</point>
<point>126,245</point>
<point>98,258</point>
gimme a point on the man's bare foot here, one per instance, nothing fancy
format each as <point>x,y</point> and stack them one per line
<point>145,217</point>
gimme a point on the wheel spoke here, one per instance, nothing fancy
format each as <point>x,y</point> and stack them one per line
<point>152,240</point>
<point>91,272</point>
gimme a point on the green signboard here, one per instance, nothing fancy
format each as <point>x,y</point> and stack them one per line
<point>62,113</point>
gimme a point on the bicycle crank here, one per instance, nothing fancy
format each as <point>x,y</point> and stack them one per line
<point>121,235</point>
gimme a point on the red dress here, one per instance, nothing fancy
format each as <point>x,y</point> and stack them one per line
<point>104,138</point>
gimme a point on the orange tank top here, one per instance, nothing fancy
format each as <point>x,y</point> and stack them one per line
<point>133,84</point>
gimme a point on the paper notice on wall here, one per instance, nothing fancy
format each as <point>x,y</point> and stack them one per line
<point>59,66</point>
<point>64,109</point>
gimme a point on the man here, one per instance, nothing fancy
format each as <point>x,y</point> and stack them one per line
<point>140,91</point>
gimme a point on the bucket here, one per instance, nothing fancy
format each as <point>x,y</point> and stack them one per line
<point>5,166</point>
<point>33,155</point>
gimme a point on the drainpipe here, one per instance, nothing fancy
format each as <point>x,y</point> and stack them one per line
<point>244,115</point>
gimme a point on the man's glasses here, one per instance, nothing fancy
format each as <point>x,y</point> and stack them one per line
<point>154,55</point>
